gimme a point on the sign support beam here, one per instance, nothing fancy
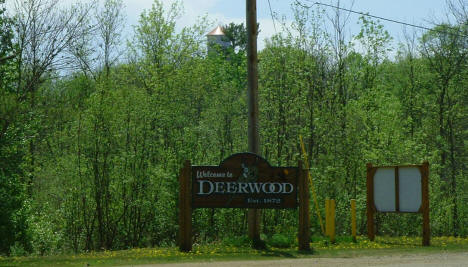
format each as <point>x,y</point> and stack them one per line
<point>304,222</point>
<point>185,208</point>
<point>425,204</point>
<point>370,203</point>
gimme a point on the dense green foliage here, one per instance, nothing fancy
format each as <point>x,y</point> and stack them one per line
<point>12,151</point>
<point>89,157</point>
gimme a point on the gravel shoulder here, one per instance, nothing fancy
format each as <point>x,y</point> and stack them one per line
<point>449,259</point>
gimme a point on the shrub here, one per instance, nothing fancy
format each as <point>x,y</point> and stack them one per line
<point>17,250</point>
<point>281,241</point>
<point>237,241</point>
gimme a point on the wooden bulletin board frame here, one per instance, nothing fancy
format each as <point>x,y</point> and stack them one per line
<point>424,209</point>
<point>188,176</point>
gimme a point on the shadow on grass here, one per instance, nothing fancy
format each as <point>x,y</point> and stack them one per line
<point>287,254</point>
<point>306,252</point>
<point>280,254</point>
<point>399,243</point>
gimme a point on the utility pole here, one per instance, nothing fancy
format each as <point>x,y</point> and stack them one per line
<point>253,216</point>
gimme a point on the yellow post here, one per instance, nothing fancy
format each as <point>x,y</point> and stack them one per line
<point>327,217</point>
<point>353,219</point>
<point>332,220</point>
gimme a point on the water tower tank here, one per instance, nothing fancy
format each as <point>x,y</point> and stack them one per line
<point>216,38</point>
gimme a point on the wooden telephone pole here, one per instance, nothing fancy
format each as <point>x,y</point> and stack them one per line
<point>253,217</point>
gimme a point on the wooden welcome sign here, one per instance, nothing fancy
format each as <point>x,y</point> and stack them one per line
<point>400,189</point>
<point>243,180</point>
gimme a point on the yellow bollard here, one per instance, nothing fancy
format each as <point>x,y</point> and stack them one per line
<point>353,219</point>
<point>327,217</point>
<point>332,220</point>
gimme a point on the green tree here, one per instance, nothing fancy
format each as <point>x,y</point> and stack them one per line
<point>12,195</point>
<point>446,54</point>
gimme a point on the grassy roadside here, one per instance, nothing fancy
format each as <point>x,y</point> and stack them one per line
<point>344,247</point>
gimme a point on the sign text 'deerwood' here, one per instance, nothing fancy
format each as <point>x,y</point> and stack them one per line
<point>244,180</point>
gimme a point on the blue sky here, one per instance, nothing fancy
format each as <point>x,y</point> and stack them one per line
<point>419,12</point>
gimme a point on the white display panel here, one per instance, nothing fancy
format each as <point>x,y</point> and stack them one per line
<point>409,189</point>
<point>384,189</point>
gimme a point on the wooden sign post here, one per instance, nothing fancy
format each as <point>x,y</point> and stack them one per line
<point>370,202</point>
<point>243,180</point>
<point>400,189</point>
<point>185,209</point>
<point>304,222</point>
<point>425,204</point>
